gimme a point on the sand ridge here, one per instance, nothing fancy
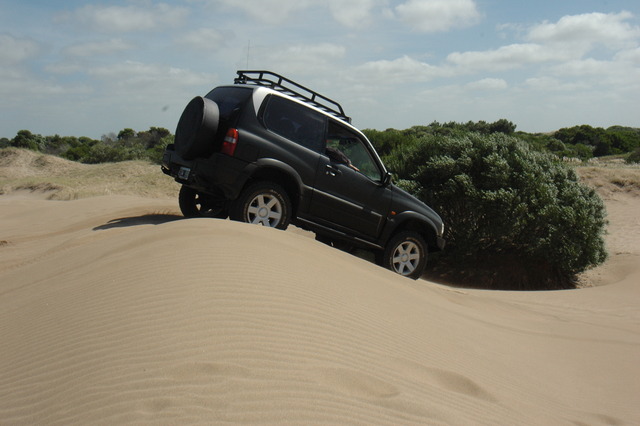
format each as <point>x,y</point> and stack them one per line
<point>114,311</point>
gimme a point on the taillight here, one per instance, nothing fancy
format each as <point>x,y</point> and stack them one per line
<point>230,142</point>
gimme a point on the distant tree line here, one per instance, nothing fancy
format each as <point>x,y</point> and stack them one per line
<point>126,145</point>
<point>582,142</point>
<point>586,142</point>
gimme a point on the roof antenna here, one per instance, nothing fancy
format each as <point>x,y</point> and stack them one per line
<point>248,51</point>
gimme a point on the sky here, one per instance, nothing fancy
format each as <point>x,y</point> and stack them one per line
<point>93,68</point>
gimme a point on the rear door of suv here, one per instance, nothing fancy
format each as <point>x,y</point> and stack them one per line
<point>296,138</point>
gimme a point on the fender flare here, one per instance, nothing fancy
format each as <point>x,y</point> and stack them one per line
<point>424,226</point>
<point>270,168</point>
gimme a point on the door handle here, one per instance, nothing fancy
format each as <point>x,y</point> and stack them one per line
<point>332,171</point>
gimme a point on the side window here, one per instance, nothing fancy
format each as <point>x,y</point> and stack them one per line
<point>295,122</point>
<point>347,147</point>
<point>229,100</point>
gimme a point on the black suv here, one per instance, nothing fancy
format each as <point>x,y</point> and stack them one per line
<point>270,151</point>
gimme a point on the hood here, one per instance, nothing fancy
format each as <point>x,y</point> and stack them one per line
<point>403,202</point>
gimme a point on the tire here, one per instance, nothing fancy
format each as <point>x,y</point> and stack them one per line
<point>197,128</point>
<point>196,204</point>
<point>265,203</point>
<point>406,254</point>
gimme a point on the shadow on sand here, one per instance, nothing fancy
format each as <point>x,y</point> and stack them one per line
<point>147,219</point>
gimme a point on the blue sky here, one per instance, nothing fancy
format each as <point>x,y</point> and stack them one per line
<point>89,68</point>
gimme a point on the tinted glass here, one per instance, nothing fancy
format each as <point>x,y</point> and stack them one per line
<point>295,122</point>
<point>346,146</point>
<point>229,99</point>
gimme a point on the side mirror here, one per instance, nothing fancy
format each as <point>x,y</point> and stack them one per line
<point>386,179</point>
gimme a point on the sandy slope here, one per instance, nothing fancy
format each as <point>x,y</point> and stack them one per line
<point>620,190</point>
<point>112,311</point>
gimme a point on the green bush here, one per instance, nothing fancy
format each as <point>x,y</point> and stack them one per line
<point>634,157</point>
<point>112,153</point>
<point>516,218</point>
<point>28,140</point>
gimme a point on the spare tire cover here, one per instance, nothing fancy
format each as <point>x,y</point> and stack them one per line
<point>197,128</point>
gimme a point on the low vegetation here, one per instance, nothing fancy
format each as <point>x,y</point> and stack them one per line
<point>126,145</point>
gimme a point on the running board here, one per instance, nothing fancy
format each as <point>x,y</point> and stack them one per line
<point>347,237</point>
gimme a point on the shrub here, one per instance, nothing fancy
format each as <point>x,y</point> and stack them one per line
<point>28,140</point>
<point>634,157</point>
<point>109,153</point>
<point>516,218</point>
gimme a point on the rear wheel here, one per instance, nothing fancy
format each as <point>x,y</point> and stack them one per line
<point>406,254</point>
<point>196,204</point>
<point>264,203</point>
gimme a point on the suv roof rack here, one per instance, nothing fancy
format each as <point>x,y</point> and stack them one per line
<point>277,82</point>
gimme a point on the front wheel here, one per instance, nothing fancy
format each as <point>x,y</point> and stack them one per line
<point>406,254</point>
<point>196,204</point>
<point>264,203</point>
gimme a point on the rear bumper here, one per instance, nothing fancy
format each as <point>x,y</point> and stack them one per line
<point>217,174</point>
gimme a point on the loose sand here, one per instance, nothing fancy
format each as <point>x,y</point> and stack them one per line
<point>115,310</point>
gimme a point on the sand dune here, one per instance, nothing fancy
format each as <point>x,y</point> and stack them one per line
<point>115,310</point>
<point>112,311</point>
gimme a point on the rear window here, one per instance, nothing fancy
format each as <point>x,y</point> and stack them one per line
<point>229,100</point>
<point>293,121</point>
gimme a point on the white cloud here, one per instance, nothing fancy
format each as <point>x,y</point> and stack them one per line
<point>98,48</point>
<point>19,88</point>
<point>400,70</point>
<point>353,13</point>
<point>267,11</point>
<point>613,75</point>
<point>569,39</point>
<point>584,67</point>
<point>140,76</point>
<point>65,67</point>
<point>203,39</point>
<point>299,59</point>
<point>506,57</point>
<point>129,18</point>
<point>586,30</point>
<point>327,50</point>
<point>488,84</point>
<point>16,50</point>
<point>553,84</point>
<point>631,56</point>
<point>438,15</point>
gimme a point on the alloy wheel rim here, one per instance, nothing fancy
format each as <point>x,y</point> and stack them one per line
<point>265,210</point>
<point>406,257</point>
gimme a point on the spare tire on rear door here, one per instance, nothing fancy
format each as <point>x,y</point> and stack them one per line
<point>197,128</point>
